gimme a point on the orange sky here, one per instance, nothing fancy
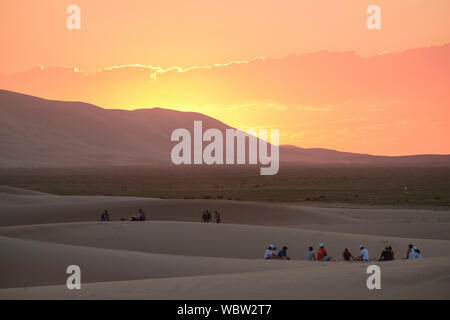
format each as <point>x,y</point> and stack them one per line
<point>334,106</point>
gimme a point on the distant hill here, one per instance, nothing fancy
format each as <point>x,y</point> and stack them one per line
<point>35,132</point>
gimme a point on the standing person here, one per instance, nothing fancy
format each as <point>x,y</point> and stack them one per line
<point>217,216</point>
<point>142,216</point>
<point>105,216</point>
<point>347,255</point>
<point>204,216</point>
<point>208,216</point>
<point>283,254</point>
<point>310,256</point>
<point>322,253</point>
<point>364,254</point>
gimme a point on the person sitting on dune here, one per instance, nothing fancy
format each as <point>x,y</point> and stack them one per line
<point>270,252</point>
<point>322,253</point>
<point>410,254</point>
<point>141,215</point>
<point>310,256</point>
<point>104,216</point>
<point>386,255</point>
<point>347,255</point>
<point>392,252</point>
<point>417,254</point>
<point>364,254</point>
<point>283,254</point>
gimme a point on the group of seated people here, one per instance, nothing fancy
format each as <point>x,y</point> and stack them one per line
<point>322,254</point>
<point>135,217</point>
<point>138,217</point>
<point>271,253</point>
<point>386,255</point>
<point>207,217</point>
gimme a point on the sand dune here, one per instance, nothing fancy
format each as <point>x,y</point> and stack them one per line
<point>19,191</point>
<point>174,256</point>
<point>212,240</point>
<point>437,230</point>
<point>45,264</point>
<point>21,209</point>
<point>326,281</point>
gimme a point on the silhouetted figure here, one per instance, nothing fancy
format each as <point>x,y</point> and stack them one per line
<point>347,255</point>
<point>104,216</point>
<point>142,216</point>
<point>392,252</point>
<point>217,216</point>
<point>386,255</point>
<point>208,216</point>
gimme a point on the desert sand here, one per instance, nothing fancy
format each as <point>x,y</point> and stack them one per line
<point>175,256</point>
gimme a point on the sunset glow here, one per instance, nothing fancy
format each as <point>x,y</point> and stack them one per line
<point>310,69</point>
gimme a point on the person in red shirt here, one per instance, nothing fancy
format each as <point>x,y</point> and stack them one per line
<point>347,255</point>
<point>322,253</point>
<point>217,216</point>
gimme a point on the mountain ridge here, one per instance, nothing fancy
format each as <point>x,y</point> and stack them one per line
<point>36,132</point>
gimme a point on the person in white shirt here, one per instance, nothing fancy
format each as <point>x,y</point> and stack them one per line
<point>270,252</point>
<point>410,253</point>
<point>417,254</point>
<point>310,256</point>
<point>364,254</point>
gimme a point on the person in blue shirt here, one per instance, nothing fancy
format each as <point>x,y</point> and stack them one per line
<point>283,254</point>
<point>104,216</point>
